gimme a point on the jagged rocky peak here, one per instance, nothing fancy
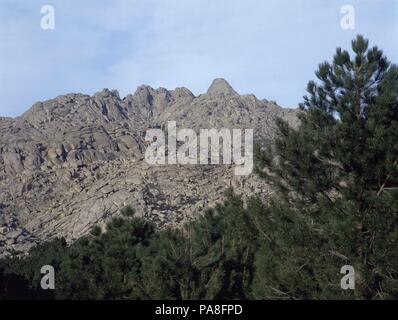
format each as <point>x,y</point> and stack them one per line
<point>143,95</point>
<point>107,93</point>
<point>72,162</point>
<point>182,92</point>
<point>220,86</point>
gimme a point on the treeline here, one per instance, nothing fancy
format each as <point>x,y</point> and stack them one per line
<point>222,255</point>
<point>335,204</point>
<point>211,258</point>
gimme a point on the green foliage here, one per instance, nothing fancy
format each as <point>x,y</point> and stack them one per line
<point>20,276</point>
<point>128,211</point>
<point>336,178</point>
<point>96,231</point>
<point>211,258</point>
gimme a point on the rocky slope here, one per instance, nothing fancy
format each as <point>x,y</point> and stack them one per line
<point>74,161</point>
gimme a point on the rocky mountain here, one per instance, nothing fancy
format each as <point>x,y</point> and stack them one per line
<point>74,161</point>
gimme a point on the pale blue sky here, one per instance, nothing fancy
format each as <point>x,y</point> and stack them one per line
<point>269,48</point>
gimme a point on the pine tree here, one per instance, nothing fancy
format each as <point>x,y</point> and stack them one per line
<point>335,178</point>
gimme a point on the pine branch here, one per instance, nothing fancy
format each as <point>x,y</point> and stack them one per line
<point>338,255</point>
<point>382,188</point>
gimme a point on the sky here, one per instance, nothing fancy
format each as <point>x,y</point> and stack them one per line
<point>268,48</point>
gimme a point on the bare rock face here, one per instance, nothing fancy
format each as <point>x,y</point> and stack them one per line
<point>221,87</point>
<point>74,161</point>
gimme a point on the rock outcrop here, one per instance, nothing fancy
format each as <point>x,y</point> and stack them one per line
<point>74,161</point>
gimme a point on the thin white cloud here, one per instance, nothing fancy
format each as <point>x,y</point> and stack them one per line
<point>270,48</point>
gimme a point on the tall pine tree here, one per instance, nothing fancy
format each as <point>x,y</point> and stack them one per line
<point>335,178</point>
